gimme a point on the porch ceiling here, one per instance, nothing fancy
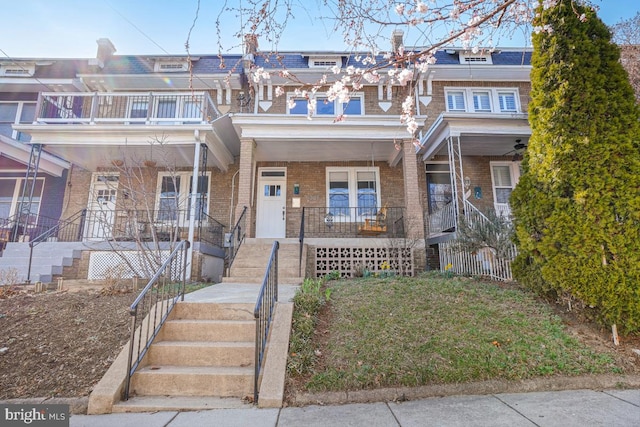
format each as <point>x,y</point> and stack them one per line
<point>480,135</point>
<point>99,146</point>
<point>291,138</point>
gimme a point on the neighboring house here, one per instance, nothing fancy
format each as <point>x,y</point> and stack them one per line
<point>145,135</point>
<point>31,195</point>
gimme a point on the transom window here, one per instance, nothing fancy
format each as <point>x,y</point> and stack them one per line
<point>324,107</point>
<point>353,192</point>
<point>474,100</point>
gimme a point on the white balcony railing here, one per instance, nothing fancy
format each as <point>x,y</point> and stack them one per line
<point>151,108</point>
<point>443,219</point>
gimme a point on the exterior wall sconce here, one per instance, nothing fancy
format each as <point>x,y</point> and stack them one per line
<point>296,189</point>
<point>467,182</point>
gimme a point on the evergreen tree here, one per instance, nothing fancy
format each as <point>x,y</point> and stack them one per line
<point>577,205</point>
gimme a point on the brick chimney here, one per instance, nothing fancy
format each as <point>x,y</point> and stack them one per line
<point>250,44</point>
<point>106,49</point>
<point>397,40</point>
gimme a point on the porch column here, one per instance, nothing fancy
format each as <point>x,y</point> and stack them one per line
<point>414,218</point>
<point>245,182</point>
<point>192,206</point>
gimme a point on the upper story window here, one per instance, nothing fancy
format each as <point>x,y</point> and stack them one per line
<point>171,65</point>
<point>325,61</point>
<point>14,113</point>
<point>324,107</point>
<point>475,58</point>
<point>475,100</point>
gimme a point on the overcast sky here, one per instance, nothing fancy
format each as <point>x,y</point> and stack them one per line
<point>69,28</point>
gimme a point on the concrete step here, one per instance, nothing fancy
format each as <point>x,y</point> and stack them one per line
<point>179,403</point>
<point>208,330</point>
<point>213,311</point>
<point>202,353</point>
<point>193,381</point>
<point>282,280</point>
<point>260,271</point>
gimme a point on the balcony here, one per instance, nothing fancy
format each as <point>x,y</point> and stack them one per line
<point>134,108</point>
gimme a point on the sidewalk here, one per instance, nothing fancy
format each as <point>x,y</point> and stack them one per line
<point>558,408</point>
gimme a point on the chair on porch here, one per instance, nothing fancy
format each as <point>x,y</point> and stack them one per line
<point>373,227</point>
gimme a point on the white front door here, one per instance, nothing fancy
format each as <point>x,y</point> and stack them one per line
<point>272,198</point>
<point>101,208</point>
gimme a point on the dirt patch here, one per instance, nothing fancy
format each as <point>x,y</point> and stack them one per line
<point>59,344</point>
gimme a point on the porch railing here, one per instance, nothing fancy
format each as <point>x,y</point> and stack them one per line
<point>27,227</point>
<point>443,219</point>
<point>151,308</point>
<point>126,108</point>
<point>263,313</point>
<point>353,222</point>
<point>234,239</point>
<point>164,225</point>
<point>211,231</point>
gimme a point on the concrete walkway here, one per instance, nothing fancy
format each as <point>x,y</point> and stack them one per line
<point>558,408</point>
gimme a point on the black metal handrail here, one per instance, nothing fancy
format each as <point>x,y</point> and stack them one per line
<point>68,229</point>
<point>234,239</point>
<point>353,222</point>
<point>301,240</point>
<point>26,227</point>
<point>263,313</point>
<point>211,231</point>
<point>151,308</point>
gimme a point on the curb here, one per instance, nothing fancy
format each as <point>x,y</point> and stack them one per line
<point>595,382</point>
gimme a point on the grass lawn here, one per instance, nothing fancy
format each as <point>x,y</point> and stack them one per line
<point>398,331</point>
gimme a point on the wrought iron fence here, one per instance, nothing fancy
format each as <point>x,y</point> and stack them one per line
<point>211,231</point>
<point>151,308</point>
<point>353,222</point>
<point>126,108</point>
<point>26,227</point>
<point>263,313</point>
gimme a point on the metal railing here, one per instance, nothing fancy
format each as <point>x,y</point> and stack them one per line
<point>211,231</point>
<point>263,313</point>
<point>145,225</point>
<point>151,308</point>
<point>126,108</point>
<point>352,222</point>
<point>234,239</point>
<point>65,230</point>
<point>443,219</point>
<point>301,240</point>
<point>31,226</point>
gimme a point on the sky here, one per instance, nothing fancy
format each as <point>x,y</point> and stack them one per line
<point>70,28</point>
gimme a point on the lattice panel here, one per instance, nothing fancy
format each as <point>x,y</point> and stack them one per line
<point>346,260</point>
<point>127,264</point>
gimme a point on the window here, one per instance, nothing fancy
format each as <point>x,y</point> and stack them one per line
<point>507,101</point>
<point>439,188</point>
<point>481,101</point>
<point>16,112</point>
<point>174,201</point>
<point>138,109</point>
<point>353,192</point>
<point>455,101</point>
<point>11,197</point>
<point>19,70</point>
<point>504,176</point>
<point>324,107</point>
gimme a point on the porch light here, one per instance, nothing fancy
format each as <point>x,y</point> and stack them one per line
<point>467,182</point>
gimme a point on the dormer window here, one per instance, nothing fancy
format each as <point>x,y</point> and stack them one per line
<point>17,70</point>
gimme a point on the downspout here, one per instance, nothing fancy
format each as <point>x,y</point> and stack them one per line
<point>192,205</point>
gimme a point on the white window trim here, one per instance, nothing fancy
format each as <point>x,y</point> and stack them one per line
<point>17,191</point>
<point>514,170</point>
<point>493,98</point>
<point>174,66</point>
<point>352,177</point>
<point>186,179</point>
<point>338,109</point>
<point>17,70</point>
<point>475,58</point>
<point>16,120</point>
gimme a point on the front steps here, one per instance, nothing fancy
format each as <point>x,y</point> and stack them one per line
<point>203,358</point>
<point>250,263</point>
<point>49,259</point>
